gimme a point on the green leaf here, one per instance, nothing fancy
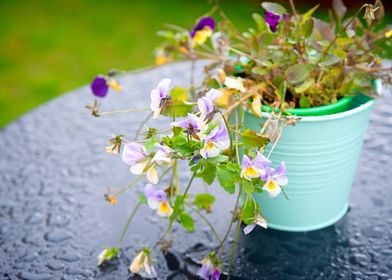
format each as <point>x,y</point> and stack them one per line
<point>308,83</point>
<point>260,22</point>
<point>176,107</point>
<point>308,15</point>
<point>304,102</point>
<point>207,172</point>
<point>282,91</point>
<point>260,70</point>
<point>179,93</point>
<point>143,198</point>
<point>247,186</point>
<point>251,139</point>
<point>307,28</point>
<point>227,177</point>
<point>249,210</point>
<point>111,253</point>
<point>204,200</point>
<point>218,159</point>
<point>273,8</point>
<point>298,73</point>
<point>187,221</point>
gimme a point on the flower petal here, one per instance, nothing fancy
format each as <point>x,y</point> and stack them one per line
<point>249,228</point>
<point>138,168</point>
<point>152,175</point>
<point>99,86</point>
<point>272,188</point>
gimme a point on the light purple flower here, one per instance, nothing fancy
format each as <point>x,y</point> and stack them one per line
<point>272,20</point>
<point>209,270</point>
<point>162,155</point>
<point>159,95</point>
<point>216,141</point>
<point>258,167</point>
<point>99,86</point>
<point>135,155</point>
<point>157,200</point>
<point>206,104</point>
<point>193,125</point>
<point>259,221</point>
<point>204,23</point>
<point>276,178</point>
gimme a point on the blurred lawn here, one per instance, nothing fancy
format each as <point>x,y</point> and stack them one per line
<point>50,47</point>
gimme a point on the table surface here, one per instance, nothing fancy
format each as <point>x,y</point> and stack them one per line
<point>54,220</point>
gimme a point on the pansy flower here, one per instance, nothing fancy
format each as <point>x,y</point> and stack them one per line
<point>210,269</point>
<point>159,96</point>
<point>100,85</point>
<point>162,155</point>
<point>258,167</point>
<point>135,155</point>
<point>258,221</point>
<point>202,31</point>
<point>216,141</point>
<point>206,104</point>
<point>157,200</point>
<point>272,20</point>
<point>142,264</point>
<point>276,178</point>
<point>193,125</point>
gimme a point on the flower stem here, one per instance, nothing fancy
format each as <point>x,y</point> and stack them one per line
<point>128,223</point>
<point>142,124</point>
<point>128,186</point>
<point>206,220</point>
<point>123,111</point>
<point>237,234</point>
<point>230,135</point>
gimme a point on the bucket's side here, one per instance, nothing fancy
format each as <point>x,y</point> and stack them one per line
<point>321,157</point>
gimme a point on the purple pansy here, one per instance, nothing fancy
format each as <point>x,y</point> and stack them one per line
<point>205,22</point>
<point>135,155</point>
<point>216,141</point>
<point>157,200</point>
<point>159,95</point>
<point>206,104</point>
<point>258,167</point>
<point>276,178</point>
<point>272,20</point>
<point>192,124</point>
<point>209,270</point>
<point>99,86</point>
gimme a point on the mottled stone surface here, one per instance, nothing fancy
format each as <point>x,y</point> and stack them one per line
<point>54,221</point>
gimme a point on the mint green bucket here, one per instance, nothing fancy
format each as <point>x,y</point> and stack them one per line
<point>321,155</point>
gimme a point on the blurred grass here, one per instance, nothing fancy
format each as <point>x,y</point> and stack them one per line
<point>50,47</point>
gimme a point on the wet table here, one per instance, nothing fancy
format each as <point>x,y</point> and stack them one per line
<point>54,220</point>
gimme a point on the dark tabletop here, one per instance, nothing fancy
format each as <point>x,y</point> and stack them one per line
<point>54,220</point>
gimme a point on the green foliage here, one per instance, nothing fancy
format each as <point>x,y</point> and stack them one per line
<point>204,200</point>
<point>297,73</point>
<point>187,221</point>
<point>228,175</point>
<point>251,139</point>
<point>249,210</point>
<point>207,171</point>
<point>176,108</point>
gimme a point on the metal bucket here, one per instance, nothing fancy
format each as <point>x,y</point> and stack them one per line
<point>321,154</point>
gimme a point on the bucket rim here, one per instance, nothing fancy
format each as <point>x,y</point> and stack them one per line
<point>335,116</point>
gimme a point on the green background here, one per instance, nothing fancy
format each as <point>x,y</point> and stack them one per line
<point>50,47</point>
